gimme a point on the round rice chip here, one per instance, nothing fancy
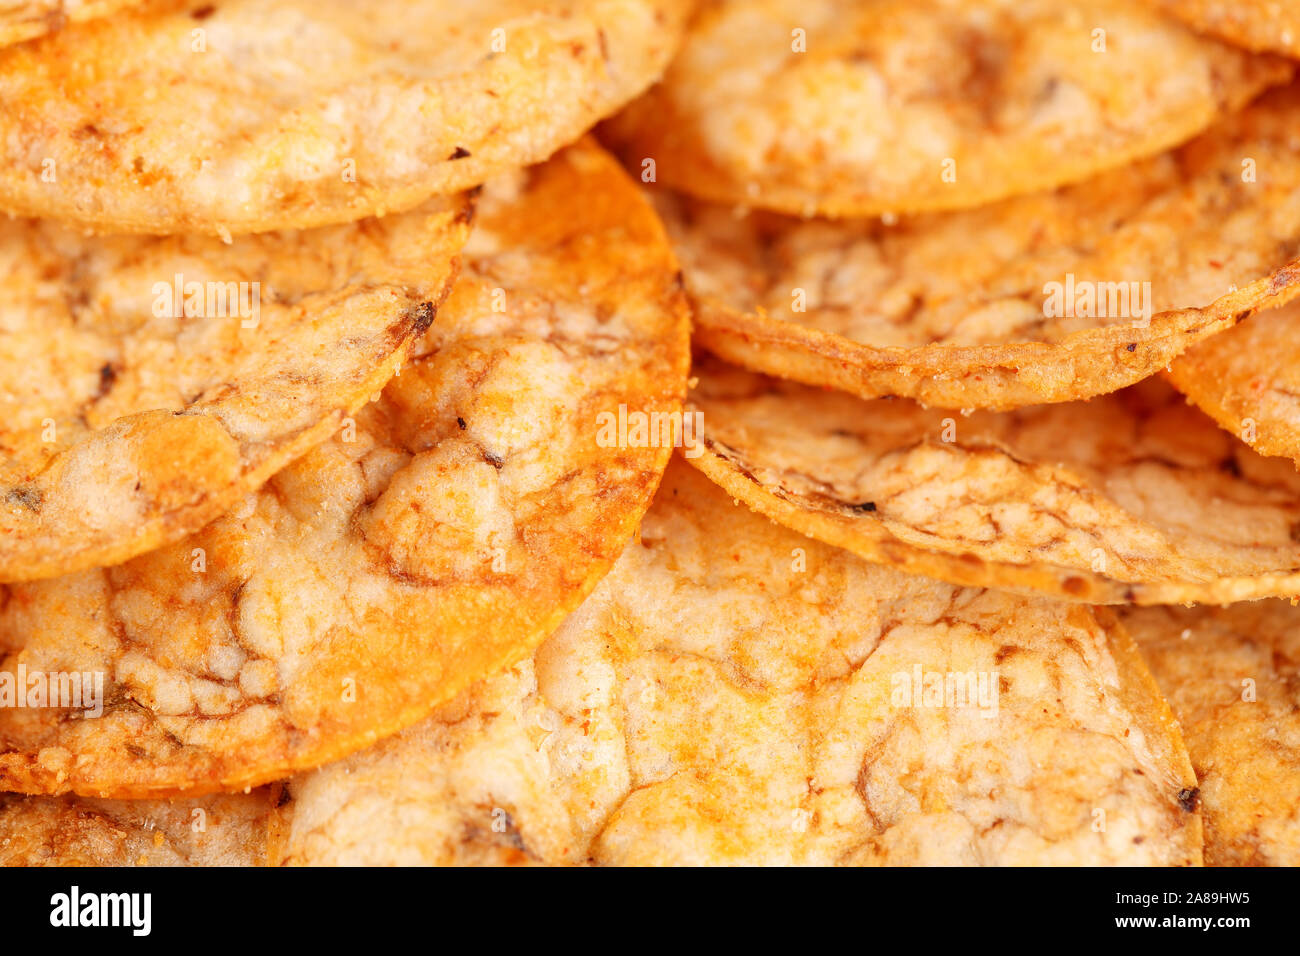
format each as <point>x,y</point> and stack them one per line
<point>148,384</point>
<point>1043,298</point>
<point>1133,497</point>
<point>1248,380</point>
<point>867,107</point>
<point>216,830</point>
<point>250,115</point>
<point>1260,25</point>
<point>734,693</point>
<point>24,19</point>
<point>437,538</point>
<point>1231,675</point>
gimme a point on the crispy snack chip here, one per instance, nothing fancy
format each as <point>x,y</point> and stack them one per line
<point>1261,25</point>
<point>1231,675</point>
<point>1042,298</point>
<point>149,384</point>
<point>1248,380</point>
<point>735,693</point>
<point>438,540</point>
<point>867,107</point>
<point>24,19</point>
<point>1133,497</point>
<point>249,115</point>
<point>217,830</point>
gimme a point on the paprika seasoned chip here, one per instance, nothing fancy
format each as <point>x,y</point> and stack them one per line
<point>437,540</point>
<point>734,693</point>
<point>1043,298</point>
<point>1230,674</point>
<point>1133,497</point>
<point>148,384</point>
<point>1262,25</point>
<point>25,19</point>
<point>216,830</point>
<point>1248,380</point>
<point>250,115</point>
<point>870,107</point>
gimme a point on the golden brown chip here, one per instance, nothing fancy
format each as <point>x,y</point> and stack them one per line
<point>1043,298</point>
<point>864,107</point>
<point>1262,25</point>
<point>249,115</point>
<point>1248,380</point>
<point>216,830</point>
<point>1132,497</point>
<point>24,19</point>
<point>1232,676</point>
<point>735,693</point>
<point>148,384</point>
<point>436,541</point>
